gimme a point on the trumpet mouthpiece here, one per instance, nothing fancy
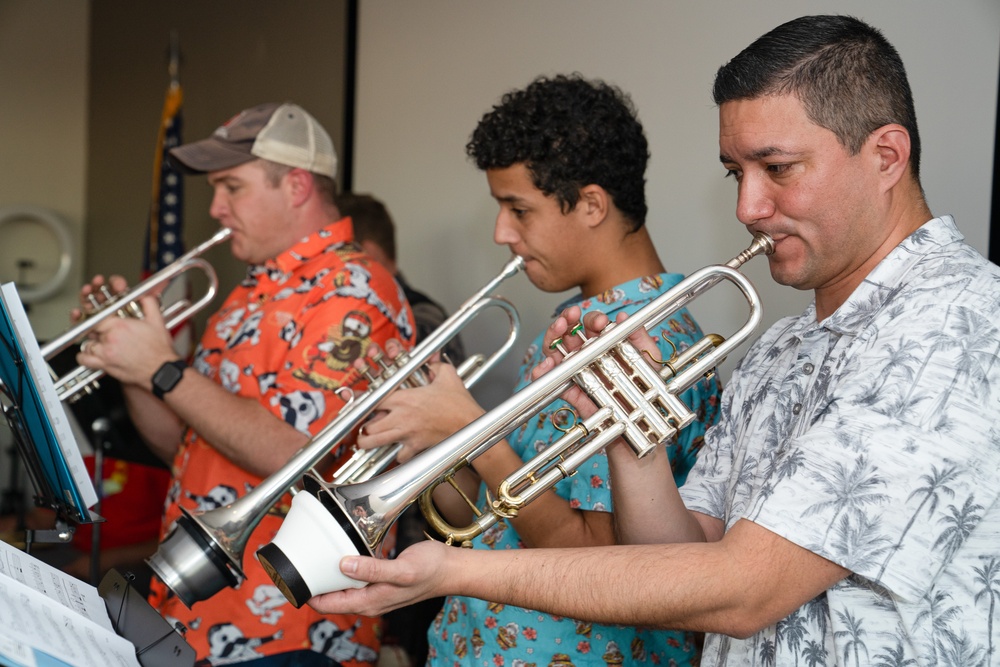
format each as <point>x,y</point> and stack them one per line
<point>761,244</point>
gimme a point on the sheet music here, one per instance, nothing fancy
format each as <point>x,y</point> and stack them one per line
<point>57,415</point>
<point>48,616</point>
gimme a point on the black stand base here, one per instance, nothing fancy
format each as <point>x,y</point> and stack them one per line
<point>157,644</point>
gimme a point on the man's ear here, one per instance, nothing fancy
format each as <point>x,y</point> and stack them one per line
<point>891,144</point>
<point>300,185</point>
<point>594,204</point>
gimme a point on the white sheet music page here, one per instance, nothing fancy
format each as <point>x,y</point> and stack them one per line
<point>39,370</point>
<point>48,617</point>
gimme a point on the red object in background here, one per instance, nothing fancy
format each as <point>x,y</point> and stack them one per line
<point>131,504</point>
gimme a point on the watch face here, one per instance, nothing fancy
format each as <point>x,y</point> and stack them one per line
<point>167,376</point>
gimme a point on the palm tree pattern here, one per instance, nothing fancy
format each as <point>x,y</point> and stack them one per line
<point>872,439</point>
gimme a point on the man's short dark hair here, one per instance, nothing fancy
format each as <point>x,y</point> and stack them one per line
<point>569,132</point>
<point>372,221</point>
<point>847,75</point>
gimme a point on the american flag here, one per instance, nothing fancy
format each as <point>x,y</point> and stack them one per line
<point>164,235</point>
<point>165,232</point>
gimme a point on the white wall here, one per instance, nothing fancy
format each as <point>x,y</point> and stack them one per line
<point>43,132</point>
<point>428,71</point>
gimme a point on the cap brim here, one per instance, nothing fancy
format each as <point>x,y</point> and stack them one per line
<point>208,155</point>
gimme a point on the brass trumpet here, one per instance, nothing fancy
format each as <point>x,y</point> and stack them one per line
<point>203,552</point>
<point>82,380</point>
<point>636,402</point>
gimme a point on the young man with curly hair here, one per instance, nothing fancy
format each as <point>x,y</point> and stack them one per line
<point>565,159</point>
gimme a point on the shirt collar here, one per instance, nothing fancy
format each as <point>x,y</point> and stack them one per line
<point>632,289</point>
<point>887,277</point>
<point>338,232</point>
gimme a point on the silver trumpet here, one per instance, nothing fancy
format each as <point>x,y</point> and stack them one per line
<point>203,551</point>
<point>635,402</point>
<point>82,380</point>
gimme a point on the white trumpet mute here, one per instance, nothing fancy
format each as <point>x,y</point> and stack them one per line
<point>299,556</point>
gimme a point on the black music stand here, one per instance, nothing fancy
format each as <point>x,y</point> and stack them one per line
<point>49,450</point>
<point>40,427</point>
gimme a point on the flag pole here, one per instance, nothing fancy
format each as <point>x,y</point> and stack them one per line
<point>174,67</point>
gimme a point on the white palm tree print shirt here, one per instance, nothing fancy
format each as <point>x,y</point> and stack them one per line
<point>872,439</point>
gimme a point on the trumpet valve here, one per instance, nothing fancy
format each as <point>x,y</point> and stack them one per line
<point>577,330</point>
<point>557,344</point>
<point>87,390</point>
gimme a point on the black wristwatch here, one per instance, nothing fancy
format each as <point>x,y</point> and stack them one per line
<point>167,377</point>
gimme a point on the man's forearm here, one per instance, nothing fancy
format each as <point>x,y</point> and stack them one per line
<point>160,428</point>
<point>736,586</point>
<point>648,506</point>
<point>239,428</point>
<point>613,585</point>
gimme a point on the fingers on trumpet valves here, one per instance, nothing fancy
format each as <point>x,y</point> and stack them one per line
<point>92,298</point>
<point>94,302</point>
<point>578,330</point>
<point>100,294</point>
<point>557,345</point>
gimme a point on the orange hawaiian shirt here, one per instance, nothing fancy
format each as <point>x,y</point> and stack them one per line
<point>285,337</point>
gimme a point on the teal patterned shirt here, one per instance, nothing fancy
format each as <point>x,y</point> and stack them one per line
<point>470,632</point>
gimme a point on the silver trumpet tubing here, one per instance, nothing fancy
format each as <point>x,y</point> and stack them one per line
<point>634,401</point>
<point>203,551</point>
<point>82,380</point>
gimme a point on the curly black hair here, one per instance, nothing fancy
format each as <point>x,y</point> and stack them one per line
<point>569,132</point>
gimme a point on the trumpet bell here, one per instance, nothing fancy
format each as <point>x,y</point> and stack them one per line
<point>193,566</point>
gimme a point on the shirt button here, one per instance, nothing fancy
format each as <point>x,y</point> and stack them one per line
<point>797,408</point>
<point>808,368</point>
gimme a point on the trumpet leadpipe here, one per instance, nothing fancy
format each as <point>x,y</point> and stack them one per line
<point>363,512</point>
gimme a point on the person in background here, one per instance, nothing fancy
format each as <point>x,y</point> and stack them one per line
<point>844,511</point>
<point>375,232</point>
<point>565,160</point>
<point>265,374</point>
